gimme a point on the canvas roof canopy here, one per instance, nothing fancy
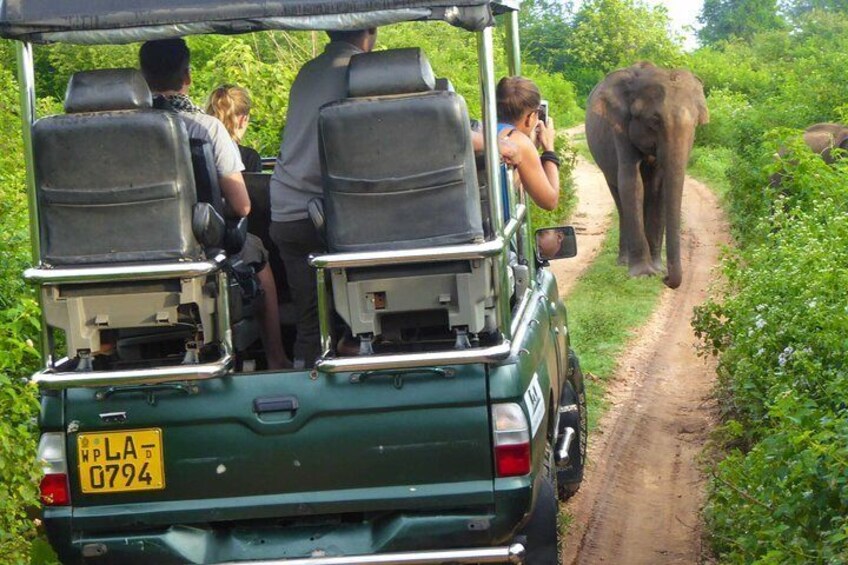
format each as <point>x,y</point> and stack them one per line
<point>126,21</point>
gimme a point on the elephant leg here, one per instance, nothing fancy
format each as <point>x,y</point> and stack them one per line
<point>632,194</point>
<point>622,241</point>
<point>653,214</point>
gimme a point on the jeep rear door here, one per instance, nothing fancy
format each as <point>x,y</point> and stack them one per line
<point>273,445</point>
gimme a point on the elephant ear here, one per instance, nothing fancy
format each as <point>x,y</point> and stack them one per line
<point>703,111</point>
<point>610,100</point>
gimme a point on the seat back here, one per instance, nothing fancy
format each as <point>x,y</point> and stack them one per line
<point>397,161</point>
<point>114,177</point>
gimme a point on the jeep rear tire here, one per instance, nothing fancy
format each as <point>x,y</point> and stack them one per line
<point>542,530</point>
<point>570,477</point>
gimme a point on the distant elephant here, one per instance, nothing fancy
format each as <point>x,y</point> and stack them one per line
<point>821,139</point>
<point>640,126</point>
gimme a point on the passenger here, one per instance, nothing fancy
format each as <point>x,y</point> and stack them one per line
<point>231,104</point>
<point>165,66</point>
<point>297,178</point>
<point>518,101</point>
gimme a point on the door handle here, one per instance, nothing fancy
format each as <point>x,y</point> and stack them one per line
<point>269,404</point>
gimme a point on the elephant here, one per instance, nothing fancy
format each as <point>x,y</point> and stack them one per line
<point>822,139</point>
<point>640,127</point>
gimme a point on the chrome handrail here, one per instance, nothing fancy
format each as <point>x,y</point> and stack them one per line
<point>464,252</point>
<point>515,222</point>
<point>513,554</point>
<point>52,380</point>
<point>406,256</point>
<point>491,354</point>
<point>118,273</point>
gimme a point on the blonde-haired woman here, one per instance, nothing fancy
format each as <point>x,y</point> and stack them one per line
<point>231,104</point>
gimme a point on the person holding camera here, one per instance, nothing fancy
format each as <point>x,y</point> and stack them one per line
<point>519,121</point>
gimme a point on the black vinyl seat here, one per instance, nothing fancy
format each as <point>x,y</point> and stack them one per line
<point>114,177</point>
<point>399,173</point>
<point>397,159</point>
<point>115,181</point>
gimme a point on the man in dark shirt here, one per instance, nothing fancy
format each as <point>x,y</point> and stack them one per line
<point>297,177</point>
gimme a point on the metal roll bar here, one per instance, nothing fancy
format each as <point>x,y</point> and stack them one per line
<point>422,255</point>
<point>50,379</point>
<point>492,354</point>
<point>121,273</point>
<point>512,554</point>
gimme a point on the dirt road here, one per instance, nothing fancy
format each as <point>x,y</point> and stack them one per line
<point>643,491</point>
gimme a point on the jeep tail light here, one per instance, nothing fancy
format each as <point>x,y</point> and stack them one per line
<point>54,484</point>
<point>512,440</point>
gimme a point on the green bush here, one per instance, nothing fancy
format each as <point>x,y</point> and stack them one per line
<point>780,327</point>
<point>780,322</point>
<point>18,330</point>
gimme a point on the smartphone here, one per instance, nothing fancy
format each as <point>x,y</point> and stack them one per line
<point>543,112</point>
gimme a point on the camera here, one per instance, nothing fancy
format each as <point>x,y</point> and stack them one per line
<point>543,112</point>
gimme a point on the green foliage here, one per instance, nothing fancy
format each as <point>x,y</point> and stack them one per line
<point>18,330</point>
<point>726,19</point>
<point>779,322</point>
<point>712,165</point>
<point>601,36</point>
<point>780,325</point>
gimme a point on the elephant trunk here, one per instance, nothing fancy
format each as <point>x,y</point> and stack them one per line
<point>673,178</point>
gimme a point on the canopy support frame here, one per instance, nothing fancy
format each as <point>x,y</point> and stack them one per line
<point>26,87</point>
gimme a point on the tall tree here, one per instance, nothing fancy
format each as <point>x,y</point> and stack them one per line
<point>608,34</point>
<point>724,19</point>
<point>797,8</point>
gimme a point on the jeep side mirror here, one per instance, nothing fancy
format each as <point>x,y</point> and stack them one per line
<point>556,243</point>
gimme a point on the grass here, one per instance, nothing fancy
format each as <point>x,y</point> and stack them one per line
<point>605,309</point>
<point>711,165</point>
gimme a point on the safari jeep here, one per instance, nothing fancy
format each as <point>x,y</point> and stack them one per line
<point>450,435</point>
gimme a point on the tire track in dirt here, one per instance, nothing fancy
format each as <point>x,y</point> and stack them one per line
<point>643,492</point>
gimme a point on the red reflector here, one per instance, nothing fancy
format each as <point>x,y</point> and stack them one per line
<point>513,460</point>
<point>54,490</point>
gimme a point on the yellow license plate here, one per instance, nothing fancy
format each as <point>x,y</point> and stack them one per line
<point>128,460</point>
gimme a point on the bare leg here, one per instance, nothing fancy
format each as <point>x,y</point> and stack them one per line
<point>269,318</point>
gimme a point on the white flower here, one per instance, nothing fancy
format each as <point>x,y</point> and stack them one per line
<point>812,303</point>
<point>760,322</point>
<point>784,357</point>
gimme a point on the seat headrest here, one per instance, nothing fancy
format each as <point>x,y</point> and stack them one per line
<point>385,73</point>
<point>104,90</point>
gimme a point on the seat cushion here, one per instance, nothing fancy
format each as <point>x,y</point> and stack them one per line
<point>114,187</point>
<point>399,173</point>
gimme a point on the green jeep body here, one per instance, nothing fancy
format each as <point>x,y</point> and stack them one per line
<point>398,461</point>
<point>387,458</point>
